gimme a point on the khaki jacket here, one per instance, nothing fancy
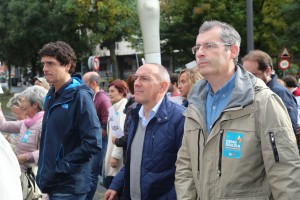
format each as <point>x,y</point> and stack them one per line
<point>250,153</point>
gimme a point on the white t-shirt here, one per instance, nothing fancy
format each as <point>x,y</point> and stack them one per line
<point>10,184</point>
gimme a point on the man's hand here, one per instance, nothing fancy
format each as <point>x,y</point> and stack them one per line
<point>110,195</point>
<point>114,162</point>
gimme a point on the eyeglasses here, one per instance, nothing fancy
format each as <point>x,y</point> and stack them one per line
<point>208,45</point>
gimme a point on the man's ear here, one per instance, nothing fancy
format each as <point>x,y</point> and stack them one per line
<point>268,71</point>
<point>164,86</point>
<point>234,51</point>
<point>68,67</point>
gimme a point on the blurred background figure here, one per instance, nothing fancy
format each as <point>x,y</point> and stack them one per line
<point>260,64</point>
<point>186,79</point>
<point>114,155</point>
<point>102,104</point>
<point>27,145</point>
<point>14,104</point>
<point>122,141</point>
<point>173,91</point>
<point>41,81</point>
<point>292,85</point>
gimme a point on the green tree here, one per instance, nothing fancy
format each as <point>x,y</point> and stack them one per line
<point>108,22</point>
<point>27,25</point>
<point>180,21</point>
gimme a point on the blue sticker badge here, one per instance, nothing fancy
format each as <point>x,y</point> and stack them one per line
<point>233,145</point>
<point>26,136</point>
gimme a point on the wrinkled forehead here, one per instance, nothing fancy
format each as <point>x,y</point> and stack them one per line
<point>147,70</point>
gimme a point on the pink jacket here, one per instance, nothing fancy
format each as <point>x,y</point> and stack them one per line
<point>30,134</point>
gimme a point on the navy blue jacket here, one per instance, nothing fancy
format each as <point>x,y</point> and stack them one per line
<point>162,141</point>
<point>70,136</point>
<point>288,99</point>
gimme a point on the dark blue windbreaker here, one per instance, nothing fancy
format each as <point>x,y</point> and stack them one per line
<point>70,136</point>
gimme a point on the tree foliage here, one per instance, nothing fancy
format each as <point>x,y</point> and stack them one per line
<point>273,22</point>
<point>110,21</point>
<point>27,25</point>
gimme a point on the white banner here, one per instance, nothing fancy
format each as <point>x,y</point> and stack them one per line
<point>115,127</point>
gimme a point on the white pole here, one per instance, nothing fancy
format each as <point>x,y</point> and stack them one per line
<point>149,14</point>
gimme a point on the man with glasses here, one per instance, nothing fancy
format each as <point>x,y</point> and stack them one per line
<point>238,138</point>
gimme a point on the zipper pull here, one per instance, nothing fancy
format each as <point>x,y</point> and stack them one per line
<point>220,153</point>
<point>274,148</point>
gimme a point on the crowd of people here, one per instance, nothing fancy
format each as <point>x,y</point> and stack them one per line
<point>221,130</point>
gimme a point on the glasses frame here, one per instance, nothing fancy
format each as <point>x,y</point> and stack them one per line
<point>208,45</point>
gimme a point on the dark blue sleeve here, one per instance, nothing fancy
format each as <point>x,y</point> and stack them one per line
<point>118,181</point>
<point>290,103</point>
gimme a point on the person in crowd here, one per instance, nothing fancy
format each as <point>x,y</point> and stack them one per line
<point>173,91</point>
<point>41,81</point>
<point>292,85</point>
<point>131,103</point>
<point>238,138</point>
<point>102,104</point>
<point>70,132</point>
<point>154,137</point>
<point>14,104</point>
<point>27,145</point>
<point>10,184</point>
<point>117,91</point>
<point>260,65</point>
<point>186,79</point>
<point>29,129</point>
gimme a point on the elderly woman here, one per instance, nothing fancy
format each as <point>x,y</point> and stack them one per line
<point>14,104</point>
<point>186,79</point>
<point>114,155</point>
<point>32,104</point>
<point>27,146</point>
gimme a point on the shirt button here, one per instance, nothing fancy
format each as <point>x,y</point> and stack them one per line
<point>214,107</point>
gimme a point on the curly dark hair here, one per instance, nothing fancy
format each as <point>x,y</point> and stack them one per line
<point>62,51</point>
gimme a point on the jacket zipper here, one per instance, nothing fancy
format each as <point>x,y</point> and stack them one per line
<point>220,153</point>
<point>46,131</point>
<point>274,148</point>
<point>198,168</point>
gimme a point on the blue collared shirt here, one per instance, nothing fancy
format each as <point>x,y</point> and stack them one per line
<point>216,103</point>
<point>151,114</point>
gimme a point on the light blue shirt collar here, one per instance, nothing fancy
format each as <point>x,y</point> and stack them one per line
<point>216,103</point>
<point>151,114</point>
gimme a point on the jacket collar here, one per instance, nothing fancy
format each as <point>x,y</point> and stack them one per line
<point>162,114</point>
<point>70,90</point>
<point>242,95</point>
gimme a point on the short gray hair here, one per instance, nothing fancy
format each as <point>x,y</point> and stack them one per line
<point>95,77</point>
<point>163,74</point>
<point>35,94</point>
<point>228,35</point>
<point>14,101</point>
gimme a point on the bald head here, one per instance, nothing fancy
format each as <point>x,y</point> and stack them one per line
<point>92,80</point>
<point>151,84</point>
